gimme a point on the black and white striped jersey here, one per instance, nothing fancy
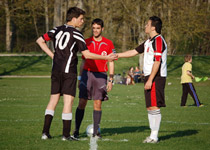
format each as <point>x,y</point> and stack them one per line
<point>67,42</point>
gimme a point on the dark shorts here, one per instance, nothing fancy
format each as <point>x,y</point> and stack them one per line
<point>93,85</point>
<point>63,83</point>
<point>155,96</point>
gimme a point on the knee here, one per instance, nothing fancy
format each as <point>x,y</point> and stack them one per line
<point>97,106</point>
<point>82,104</point>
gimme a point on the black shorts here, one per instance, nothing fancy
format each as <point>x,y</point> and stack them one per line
<point>63,83</point>
<point>93,85</point>
<point>155,96</point>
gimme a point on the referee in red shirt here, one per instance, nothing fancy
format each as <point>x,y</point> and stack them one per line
<point>93,77</point>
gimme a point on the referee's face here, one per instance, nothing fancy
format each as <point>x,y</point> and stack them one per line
<point>97,30</point>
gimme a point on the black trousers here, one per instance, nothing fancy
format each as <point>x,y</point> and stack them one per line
<point>189,88</point>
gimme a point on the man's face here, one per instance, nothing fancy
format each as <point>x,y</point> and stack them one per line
<point>149,27</point>
<point>97,30</point>
<point>79,21</point>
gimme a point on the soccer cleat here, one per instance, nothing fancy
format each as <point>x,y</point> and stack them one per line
<point>66,138</point>
<point>46,136</point>
<point>149,140</point>
<point>201,105</point>
<point>75,136</point>
<point>97,136</point>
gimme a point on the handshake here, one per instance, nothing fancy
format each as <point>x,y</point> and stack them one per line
<point>112,57</point>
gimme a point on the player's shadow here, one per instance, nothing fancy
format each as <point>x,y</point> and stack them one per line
<point>121,130</point>
<point>178,134</point>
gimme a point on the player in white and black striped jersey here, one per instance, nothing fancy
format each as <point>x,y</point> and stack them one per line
<point>67,42</point>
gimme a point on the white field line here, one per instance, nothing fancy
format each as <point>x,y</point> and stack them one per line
<point>112,121</point>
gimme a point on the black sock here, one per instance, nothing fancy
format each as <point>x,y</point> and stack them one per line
<point>78,118</point>
<point>97,120</point>
<point>47,123</point>
<point>66,128</point>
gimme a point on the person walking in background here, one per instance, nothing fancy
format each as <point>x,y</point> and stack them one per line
<point>186,81</point>
<point>67,42</point>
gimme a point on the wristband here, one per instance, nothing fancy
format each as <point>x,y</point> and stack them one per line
<point>79,78</point>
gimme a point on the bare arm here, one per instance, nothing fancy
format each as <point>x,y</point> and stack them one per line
<point>111,75</point>
<point>190,74</point>
<point>88,55</point>
<point>126,54</point>
<point>41,42</point>
<point>155,68</point>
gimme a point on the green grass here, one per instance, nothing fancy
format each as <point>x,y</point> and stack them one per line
<point>23,102</point>
<point>42,65</point>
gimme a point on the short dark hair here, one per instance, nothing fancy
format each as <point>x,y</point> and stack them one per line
<point>74,12</point>
<point>187,57</point>
<point>98,22</point>
<point>157,23</point>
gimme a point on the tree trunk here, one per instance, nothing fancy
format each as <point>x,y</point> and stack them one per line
<point>57,13</point>
<point>46,17</point>
<point>8,27</point>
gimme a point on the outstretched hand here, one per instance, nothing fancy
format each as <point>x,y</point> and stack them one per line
<point>112,57</point>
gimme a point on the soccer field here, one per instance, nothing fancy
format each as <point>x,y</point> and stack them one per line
<point>124,122</point>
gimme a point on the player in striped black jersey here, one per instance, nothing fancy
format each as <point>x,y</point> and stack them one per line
<point>155,72</point>
<point>67,42</point>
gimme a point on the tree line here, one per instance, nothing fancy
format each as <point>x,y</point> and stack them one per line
<point>186,23</point>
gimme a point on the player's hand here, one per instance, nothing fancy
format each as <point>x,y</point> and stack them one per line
<point>109,86</point>
<point>148,85</point>
<point>193,77</point>
<point>112,57</point>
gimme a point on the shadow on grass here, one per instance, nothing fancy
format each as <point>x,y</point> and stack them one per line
<point>178,134</point>
<point>26,63</point>
<point>112,131</point>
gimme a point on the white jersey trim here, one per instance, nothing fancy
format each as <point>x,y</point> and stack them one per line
<point>78,33</point>
<point>69,60</point>
<point>79,38</point>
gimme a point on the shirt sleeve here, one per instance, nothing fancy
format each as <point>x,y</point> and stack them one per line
<point>80,42</point>
<point>158,46</point>
<point>189,67</point>
<point>50,35</point>
<point>140,48</point>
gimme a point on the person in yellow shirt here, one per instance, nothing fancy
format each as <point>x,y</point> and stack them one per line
<point>186,81</point>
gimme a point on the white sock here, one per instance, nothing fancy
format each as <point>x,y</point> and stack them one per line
<point>154,117</point>
<point>66,116</point>
<point>49,112</point>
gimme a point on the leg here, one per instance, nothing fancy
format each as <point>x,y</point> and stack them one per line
<point>154,117</point>
<point>96,116</point>
<point>184,94</point>
<point>79,115</point>
<point>67,115</point>
<point>49,113</point>
<point>194,95</point>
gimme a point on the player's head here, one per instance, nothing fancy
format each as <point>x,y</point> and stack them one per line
<point>154,24</point>
<point>75,15</point>
<point>188,58</point>
<point>97,27</point>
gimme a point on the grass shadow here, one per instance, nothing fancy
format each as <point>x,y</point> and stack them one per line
<point>112,131</point>
<point>25,63</point>
<point>178,134</point>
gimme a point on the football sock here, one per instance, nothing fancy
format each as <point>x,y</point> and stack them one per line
<point>96,120</point>
<point>66,117</point>
<point>154,117</point>
<point>47,121</point>
<point>78,118</point>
